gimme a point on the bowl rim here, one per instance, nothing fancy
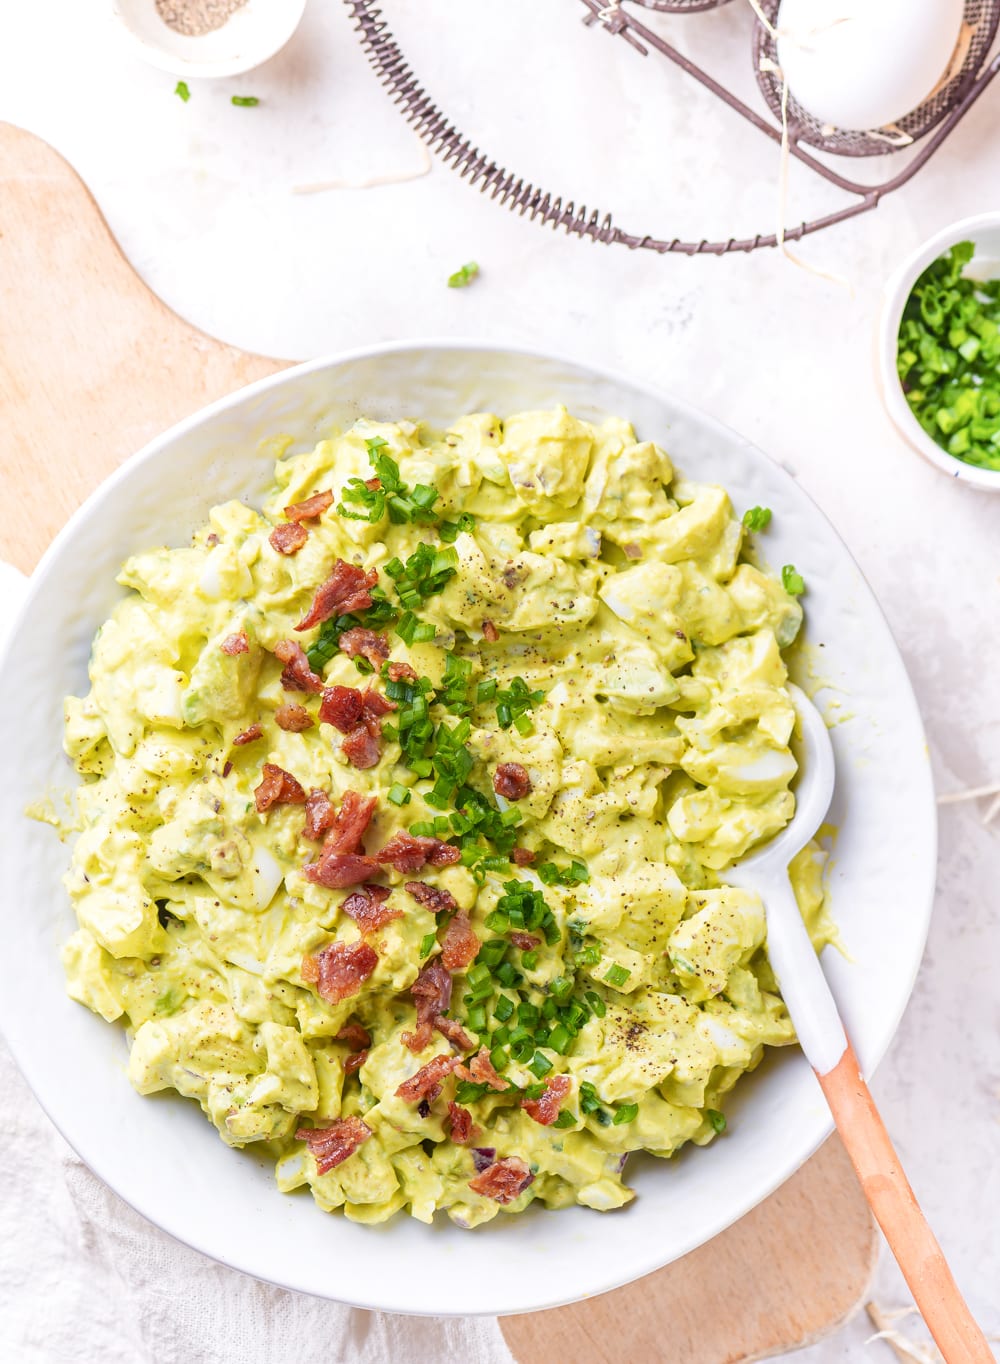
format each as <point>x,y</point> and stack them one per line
<point>163,60</point>
<point>875,1047</point>
<point>895,293</point>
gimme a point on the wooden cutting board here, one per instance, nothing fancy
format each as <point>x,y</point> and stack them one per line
<point>91,366</point>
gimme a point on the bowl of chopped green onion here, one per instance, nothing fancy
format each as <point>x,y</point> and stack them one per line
<point>939,350</point>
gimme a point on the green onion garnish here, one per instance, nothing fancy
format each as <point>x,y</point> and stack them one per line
<point>245,101</point>
<point>617,975</point>
<point>182,91</point>
<point>792,581</point>
<point>717,1119</point>
<point>463,276</point>
<point>757,518</point>
<point>625,1113</point>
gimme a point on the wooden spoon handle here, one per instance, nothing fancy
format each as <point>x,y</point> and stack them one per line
<point>895,1206</point>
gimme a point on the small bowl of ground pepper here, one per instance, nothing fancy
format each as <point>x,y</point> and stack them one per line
<point>939,350</point>
<point>197,38</point>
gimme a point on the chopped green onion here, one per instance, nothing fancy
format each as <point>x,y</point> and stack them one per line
<point>503,1008</point>
<point>757,518</point>
<point>560,1039</point>
<point>399,794</point>
<point>427,944</point>
<point>717,1119</point>
<point>617,975</point>
<point>565,1119</point>
<point>625,1113</point>
<point>596,1003</point>
<point>467,1092</point>
<point>182,91</point>
<point>463,276</point>
<point>245,101</point>
<point>792,581</point>
<point>539,1065</point>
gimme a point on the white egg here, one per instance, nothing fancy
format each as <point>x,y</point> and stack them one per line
<point>861,64</point>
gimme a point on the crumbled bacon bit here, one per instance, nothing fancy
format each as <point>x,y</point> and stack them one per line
<point>368,643</point>
<point>346,590</point>
<point>455,1033</point>
<point>249,736</point>
<point>460,1126</point>
<point>341,707</point>
<point>480,1070</point>
<point>504,1180</point>
<point>339,970</point>
<point>332,1145</point>
<point>374,707</point>
<point>358,716</point>
<point>293,718</point>
<point>409,852</point>
<point>367,907</point>
<point>320,814</point>
<point>460,944</point>
<point>426,1083</point>
<point>361,749</point>
<point>373,484</point>
<point>288,538</point>
<point>512,781</point>
<point>522,857</point>
<point>490,632</point>
<point>401,672</point>
<point>546,1108</point>
<point>311,508</point>
<point>355,1035</point>
<point>297,674</point>
<point>432,993</point>
<point>337,871</point>
<point>355,1061</point>
<point>236,644</point>
<point>353,818</point>
<point>435,898</point>
<point>525,941</point>
<point>277,787</point>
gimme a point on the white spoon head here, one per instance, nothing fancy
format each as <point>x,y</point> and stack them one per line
<point>813,794</point>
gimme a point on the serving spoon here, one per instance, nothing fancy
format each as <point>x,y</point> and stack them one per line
<point>821,1034</point>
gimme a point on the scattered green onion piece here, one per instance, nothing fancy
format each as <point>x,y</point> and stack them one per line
<point>399,794</point>
<point>182,91</point>
<point>245,101</point>
<point>792,581</point>
<point>717,1119</point>
<point>625,1113</point>
<point>757,518</point>
<point>463,276</point>
<point>539,1065</point>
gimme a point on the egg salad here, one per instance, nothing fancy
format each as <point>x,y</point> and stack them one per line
<point>406,808</point>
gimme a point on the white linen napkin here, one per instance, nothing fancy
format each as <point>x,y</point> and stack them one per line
<point>83,1278</point>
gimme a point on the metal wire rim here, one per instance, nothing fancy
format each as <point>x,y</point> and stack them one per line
<point>980,26</point>
<point>521,196</point>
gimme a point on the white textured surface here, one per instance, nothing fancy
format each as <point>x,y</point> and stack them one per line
<point>199,195</point>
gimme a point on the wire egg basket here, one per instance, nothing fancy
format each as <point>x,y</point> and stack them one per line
<point>967,76</point>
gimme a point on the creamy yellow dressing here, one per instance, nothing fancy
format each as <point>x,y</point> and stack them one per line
<point>658,754</point>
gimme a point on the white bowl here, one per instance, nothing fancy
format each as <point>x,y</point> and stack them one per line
<point>984,230</point>
<point>160,1153</point>
<point>251,36</point>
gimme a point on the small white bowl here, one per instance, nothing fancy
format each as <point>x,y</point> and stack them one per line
<point>252,35</point>
<point>984,230</point>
